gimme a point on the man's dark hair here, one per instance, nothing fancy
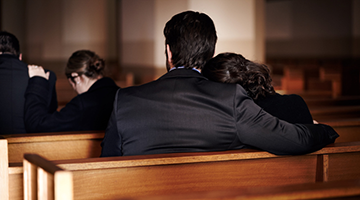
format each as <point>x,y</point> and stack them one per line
<point>191,37</point>
<point>9,43</point>
<point>234,68</point>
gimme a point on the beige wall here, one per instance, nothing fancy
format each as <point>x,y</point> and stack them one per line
<point>129,32</point>
<point>13,18</point>
<point>239,25</point>
<point>50,31</point>
<point>312,29</point>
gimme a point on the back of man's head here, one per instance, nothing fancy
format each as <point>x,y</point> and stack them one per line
<point>191,37</point>
<point>9,43</point>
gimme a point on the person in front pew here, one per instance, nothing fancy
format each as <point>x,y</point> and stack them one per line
<point>256,80</point>
<point>13,82</point>
<point>89,110</point>
<point>183,111</point>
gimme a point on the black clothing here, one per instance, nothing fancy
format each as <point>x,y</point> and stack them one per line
<point>88,111</point>
<point>291,108</point>
<point>13,82</point>
<point>182,111</point>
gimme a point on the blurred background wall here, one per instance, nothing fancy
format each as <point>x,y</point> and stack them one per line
<point>128,33</point>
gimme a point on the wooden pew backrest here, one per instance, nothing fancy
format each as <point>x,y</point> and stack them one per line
<point>53,146</point>
<point>348,129</point>
<point>136,176</point>
<point>335,112</point>
<point>348,189</point>
<point>56,145</point>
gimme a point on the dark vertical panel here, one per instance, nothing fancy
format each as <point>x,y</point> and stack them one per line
<point>350,77</point>
<point>119,29</point>
<point>1,28</point>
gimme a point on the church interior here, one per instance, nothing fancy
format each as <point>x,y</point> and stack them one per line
<point>311,47</point>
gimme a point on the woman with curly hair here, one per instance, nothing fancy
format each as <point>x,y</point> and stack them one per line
<point>256,80</point>
<point>89,110</point>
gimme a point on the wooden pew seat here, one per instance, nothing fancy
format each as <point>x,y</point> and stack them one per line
<point>335,112</point>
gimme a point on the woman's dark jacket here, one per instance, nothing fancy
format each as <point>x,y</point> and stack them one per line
<point>88,111</point>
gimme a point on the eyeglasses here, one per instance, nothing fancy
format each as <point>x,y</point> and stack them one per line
<point>73,77</point>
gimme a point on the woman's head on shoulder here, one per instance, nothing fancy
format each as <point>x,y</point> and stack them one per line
<point>234,68</point>
<point>83,68</point>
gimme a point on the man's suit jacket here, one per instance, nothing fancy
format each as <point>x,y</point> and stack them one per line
<point>182,111</point>
<point>13,82</point>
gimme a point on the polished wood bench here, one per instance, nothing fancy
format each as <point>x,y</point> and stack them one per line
<point>335,112</point>
<point>317,102</point>
<point>53,146</point>
<point>348,129</point>
<point>346,189</point>
<point>164,174</point>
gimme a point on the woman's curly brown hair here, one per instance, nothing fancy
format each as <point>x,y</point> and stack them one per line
<point>234,68</point>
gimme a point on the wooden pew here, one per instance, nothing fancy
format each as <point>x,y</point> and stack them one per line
<point>335,112</point>
<point>39,185</point>
<point>15,183</point>
<point>164,174</point>
<point>347,189</point>
<point>348,129</point>
<point>53,146</point>
<point>4,177</point>
<point>328,102</point>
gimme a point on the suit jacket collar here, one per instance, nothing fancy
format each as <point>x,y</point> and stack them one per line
<point>182,73</point>
<point>8,56</point>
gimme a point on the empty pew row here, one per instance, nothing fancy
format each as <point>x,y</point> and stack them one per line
<point>348,129</point>
<point>328,102</point>
<point>58,145</point>
<point>335,112</point>
<point>321,75</point>
<point>333,190</point>
<point>167,174</point>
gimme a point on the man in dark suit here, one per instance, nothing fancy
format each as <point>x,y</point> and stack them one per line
<point>182,111</point>
<point>13,82</point>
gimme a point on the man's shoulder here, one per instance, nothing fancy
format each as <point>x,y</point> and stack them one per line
<point>13,71</point>
<point>11,61</point>
<point>180,86</point>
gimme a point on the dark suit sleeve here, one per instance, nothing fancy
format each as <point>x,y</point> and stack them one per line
<point>259,129</point>
<point>37,116</point>
<point>52,98</point>
<point>112,144</point>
